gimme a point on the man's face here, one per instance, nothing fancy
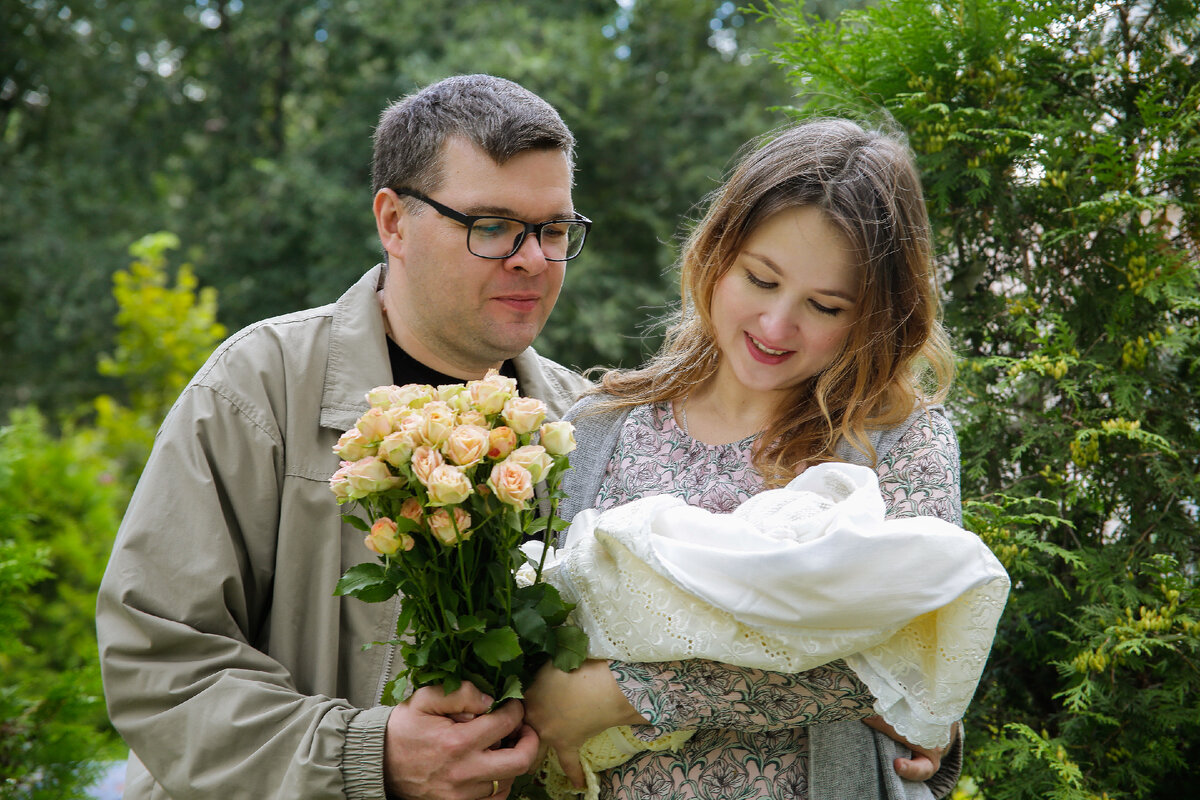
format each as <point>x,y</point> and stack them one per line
<point>457,312</point>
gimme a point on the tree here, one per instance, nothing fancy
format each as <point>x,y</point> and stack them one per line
<point>245,128</point>
<point>1059,143</point>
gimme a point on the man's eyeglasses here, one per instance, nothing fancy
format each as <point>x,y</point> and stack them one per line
<point>500,237</point>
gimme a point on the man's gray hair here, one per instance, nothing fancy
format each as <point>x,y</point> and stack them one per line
<point>501,118</point>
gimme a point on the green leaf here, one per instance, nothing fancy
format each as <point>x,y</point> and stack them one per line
<point>356,522</point>
<point>404,620</point>
<point>367,582</point>
<point>497,646</point>
<point>530,625</point>
<point>572,648</point>
<point>512,690</point>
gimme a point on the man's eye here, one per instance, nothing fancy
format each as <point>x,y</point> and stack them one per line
<point>491,228</point>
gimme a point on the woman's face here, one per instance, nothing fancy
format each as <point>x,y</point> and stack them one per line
<point>783,310</point>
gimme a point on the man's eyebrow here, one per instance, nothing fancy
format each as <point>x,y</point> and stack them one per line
<point>770,264</point>
<point>504,211</point>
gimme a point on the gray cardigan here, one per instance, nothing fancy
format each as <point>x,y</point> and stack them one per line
<point>847,760</point>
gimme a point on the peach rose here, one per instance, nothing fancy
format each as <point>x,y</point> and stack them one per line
<point>512,483</point>
<point>450,528</point>
<point>424,461</point>
<point>411,509</point>
<point>501,442</point>
<point>558,437</point>
<point>411,423</point>
<point>524,414</point>
<point>472,416</point>
<point>367,476</point>
<point>384,539</point>
<point>466,445</point>
<point>447,486</point>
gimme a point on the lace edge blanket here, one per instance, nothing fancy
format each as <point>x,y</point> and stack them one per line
<point>795,578</point>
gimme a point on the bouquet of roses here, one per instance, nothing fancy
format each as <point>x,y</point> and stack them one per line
<point>445,479</point>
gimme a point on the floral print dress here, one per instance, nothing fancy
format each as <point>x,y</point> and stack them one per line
<point>750,740</point>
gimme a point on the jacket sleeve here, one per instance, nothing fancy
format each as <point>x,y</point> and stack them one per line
<point>183,608</point>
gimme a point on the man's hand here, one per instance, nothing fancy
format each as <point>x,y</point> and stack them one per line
<point>568,708</point>
<point>924,763</point>
<point>439,746</point>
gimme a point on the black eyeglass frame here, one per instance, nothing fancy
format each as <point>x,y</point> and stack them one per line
<point>469,220</point>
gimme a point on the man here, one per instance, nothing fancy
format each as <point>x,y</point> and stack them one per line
<point>230,668</point>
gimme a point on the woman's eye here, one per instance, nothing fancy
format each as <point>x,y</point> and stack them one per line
<point>756,281</point>
<point>827,310</point>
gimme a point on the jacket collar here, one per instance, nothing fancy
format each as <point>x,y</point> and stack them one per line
<point>358,357</point>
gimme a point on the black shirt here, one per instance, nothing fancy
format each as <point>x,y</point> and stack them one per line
<point>406,369</point>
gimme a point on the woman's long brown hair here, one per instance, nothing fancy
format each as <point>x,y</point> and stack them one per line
<point>896,356</point>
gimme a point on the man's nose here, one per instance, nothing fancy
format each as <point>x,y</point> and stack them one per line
<point>529,257</point>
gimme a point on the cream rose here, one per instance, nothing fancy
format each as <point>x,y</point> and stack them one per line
<point>440,419</point>
<point>524,414</point>
<point>491,393</point>
<point>352,446</point>
<point>532,457</point>
<point>413,395</point>
<point>383,397</point>
<point>374,425</point>
<point>558,437</point>
<point>447,486</point>
<point>450,528</point>
<point>467,445</point>
<point>340,484</point>
<point>397,448</point>
<point>448,391</point>
<point>511,483</point>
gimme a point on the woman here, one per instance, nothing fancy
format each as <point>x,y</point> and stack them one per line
<point>809,332</point>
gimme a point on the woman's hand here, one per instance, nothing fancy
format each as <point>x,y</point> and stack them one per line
<point>568,708</point>
<point>925,761</point>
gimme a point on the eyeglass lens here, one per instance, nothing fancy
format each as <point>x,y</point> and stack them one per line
<point>497,237</point>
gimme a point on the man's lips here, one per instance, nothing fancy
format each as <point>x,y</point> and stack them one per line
<point>522,301</point>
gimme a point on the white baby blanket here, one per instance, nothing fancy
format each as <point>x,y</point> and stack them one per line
<point>793,579</point>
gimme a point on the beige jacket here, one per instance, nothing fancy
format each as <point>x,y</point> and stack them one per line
<point>229,667</point>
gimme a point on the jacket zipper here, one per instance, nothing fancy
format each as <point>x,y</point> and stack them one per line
<point>389,656</point>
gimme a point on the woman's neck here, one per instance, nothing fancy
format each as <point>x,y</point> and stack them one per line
<point>721,411</point>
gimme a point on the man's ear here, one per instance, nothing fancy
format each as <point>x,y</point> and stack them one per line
<point>390,214</point>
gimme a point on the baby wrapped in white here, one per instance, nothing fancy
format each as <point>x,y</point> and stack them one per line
<point>792,579</point>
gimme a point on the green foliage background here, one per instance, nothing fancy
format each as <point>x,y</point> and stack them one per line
<point>1059,142</point>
